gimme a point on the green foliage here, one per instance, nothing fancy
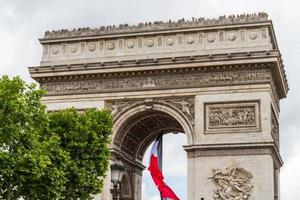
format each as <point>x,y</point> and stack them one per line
<point>60,155</point>
<point>85,137</point>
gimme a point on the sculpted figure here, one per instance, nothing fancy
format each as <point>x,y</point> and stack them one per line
<point>185,106</point>
<point>232,116</point>
<point>116,106</point>
<point>233,183</point>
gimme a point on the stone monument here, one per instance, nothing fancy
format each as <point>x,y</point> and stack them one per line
<point>219,81</point>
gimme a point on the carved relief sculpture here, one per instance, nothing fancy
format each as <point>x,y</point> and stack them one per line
<point>233,183</point>
<point>186,105</point>
<point>238,116</point>
<point>195,79</point>
<point>231,117</point>
<point>117,106</point>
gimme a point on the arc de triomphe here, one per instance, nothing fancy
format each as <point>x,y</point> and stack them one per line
<point>219,81</point>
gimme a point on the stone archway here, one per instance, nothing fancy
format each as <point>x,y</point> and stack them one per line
<point>218,81</point>
<point>126,187</point>
<point>136,126</point>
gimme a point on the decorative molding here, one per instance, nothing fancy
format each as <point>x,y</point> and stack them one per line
<point>229,151</point>
<point>230,117</point>
<point>158,25</point>
<point>235,149</point>
<point>154,61</point>
<point>39,72</point>
<point>232,183</point>
<point>166,79</point>
<point>125,48</point>
<point>184,104</point>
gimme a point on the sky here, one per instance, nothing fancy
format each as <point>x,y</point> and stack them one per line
<point>22,22</point>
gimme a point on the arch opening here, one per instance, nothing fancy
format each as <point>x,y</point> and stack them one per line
<point>142,129</point>
<point>134,132</point>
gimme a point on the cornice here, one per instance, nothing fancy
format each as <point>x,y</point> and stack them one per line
<point>235,149</point>
<point>35,70</point>
<point>86,32</point>
<point>157,71</point>
<point>120,69</point>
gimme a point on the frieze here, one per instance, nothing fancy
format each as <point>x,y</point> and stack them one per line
<point>232,117</point>
<point>232,183</point>
<point>160,81</point>
<point>228,117</point>
<point>157,25</point>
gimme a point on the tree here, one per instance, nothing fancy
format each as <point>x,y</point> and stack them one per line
<point>85,136</point>
<point>25,154</point>
<point>61,155</point>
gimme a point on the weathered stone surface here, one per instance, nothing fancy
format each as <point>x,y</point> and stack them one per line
<point>219,81</point>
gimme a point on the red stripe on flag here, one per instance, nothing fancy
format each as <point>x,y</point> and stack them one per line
<point>164,189</point>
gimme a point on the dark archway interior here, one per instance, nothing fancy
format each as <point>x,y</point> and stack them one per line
<point>133,139</point>
<point>140,130</point>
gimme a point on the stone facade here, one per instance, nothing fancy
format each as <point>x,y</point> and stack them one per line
<point>219,81</point>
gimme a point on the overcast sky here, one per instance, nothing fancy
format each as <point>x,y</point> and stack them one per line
<point>22,22</point>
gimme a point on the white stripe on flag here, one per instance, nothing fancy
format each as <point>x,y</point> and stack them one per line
<point>154,150</point>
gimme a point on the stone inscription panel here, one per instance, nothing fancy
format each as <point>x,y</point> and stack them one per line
<point>232,117</point>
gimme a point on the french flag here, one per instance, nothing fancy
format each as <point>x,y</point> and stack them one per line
<point>155,168</point>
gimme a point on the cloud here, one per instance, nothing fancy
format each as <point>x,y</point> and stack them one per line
<point>290,176</point>
<point>23,22</point>
<point>156,197</point>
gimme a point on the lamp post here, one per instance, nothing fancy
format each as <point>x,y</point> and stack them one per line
<point>117,170</point>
